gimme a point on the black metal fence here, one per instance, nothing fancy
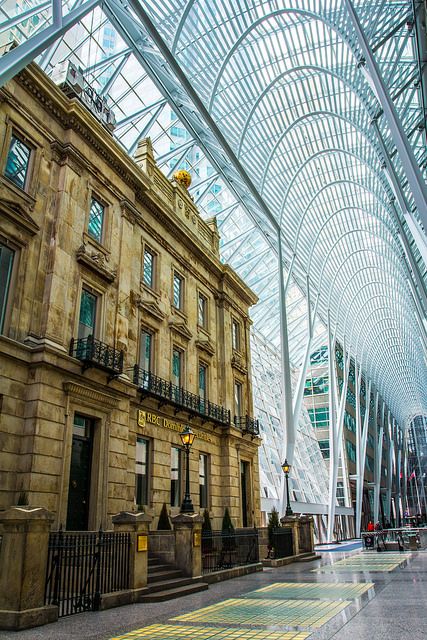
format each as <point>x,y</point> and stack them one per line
<point>94,353</point>
<point>247,424</point>
<point>152,385</point>
<point>227,549</point>
<point>282,542</point>
<point>83,566</point>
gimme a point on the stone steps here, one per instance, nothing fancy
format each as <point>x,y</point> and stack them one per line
<point>166,582</point>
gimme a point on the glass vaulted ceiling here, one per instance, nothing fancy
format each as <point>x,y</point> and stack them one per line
<point>270,107</point>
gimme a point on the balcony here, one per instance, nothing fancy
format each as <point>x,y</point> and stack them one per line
<point>167,393</point>
<point>94,353</point>
<point>247,425</point>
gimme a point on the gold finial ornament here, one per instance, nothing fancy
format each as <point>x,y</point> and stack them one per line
<point>183,177</point>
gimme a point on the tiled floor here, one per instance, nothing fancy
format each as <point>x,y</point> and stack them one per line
<point>307,590</point>
<point>346,595</point>
<point>309,614</point>
<point>169,632</point>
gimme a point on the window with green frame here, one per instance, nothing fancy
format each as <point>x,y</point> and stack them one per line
<point>350,422</point>
<point>320,356</point>
<point>316,385</point>
<point>96,219</point>
<point>319,417</point>
<point>6,264</point>
<point>351,450</point>
<point>324,448</point>
<point>87,317</point>
<point>17,163</point>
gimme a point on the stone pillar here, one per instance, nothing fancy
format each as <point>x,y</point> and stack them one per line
<point>24,533</point>
<point>292,523</point>
<point>188,543</point>
<point>137,524</point>
<point>306,534</point>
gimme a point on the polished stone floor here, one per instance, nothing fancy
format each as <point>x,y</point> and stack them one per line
<point>346,595</point>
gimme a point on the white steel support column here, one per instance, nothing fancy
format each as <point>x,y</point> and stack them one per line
<point>336,421</point>
<point>299,392</point>
<point>398,478</point>
<point>406,154</point>
<point>378,451</point>
<point>286,403</point>
<point>361,439</point>
<point>389,467</point>
<point>404,472</point>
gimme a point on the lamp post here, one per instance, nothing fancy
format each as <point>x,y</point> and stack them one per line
<point>187,438</point>
<point>286,468</point>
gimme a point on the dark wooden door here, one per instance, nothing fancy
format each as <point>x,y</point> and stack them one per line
<point>79,487</point>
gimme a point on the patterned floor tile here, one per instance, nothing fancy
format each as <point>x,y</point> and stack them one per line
<point>313,591</point>
<point>366,562</point>
<point>171,632</point>
<point>297,613</point>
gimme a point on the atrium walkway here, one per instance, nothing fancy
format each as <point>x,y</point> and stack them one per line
<point>347,595</point>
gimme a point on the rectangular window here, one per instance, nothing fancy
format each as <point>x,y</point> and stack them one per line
<point>351,450</point>
<point>175,477</point>
<point>202,318</point>
<point>203,480</point>
<point>87,318</point>
<point>146,350</point>
<point>235,335</point>
<point>141,472</point>
<point>148,267</point>
<point>178,291</point>
<point>18,160</point>
<point>238,404</point>
<point>324,448</point>
<point>177,367</point>
<point>6,265</point>
<point>203,377</point>
<point>96,220</point>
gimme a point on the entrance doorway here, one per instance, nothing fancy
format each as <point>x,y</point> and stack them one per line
<point>80,474</point>
<point>244,483</point>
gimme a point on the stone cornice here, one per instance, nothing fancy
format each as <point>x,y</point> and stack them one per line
<point>75,389</point>
<point>95,261</point>
<point>71,114</point>
<point>237,362</point>
<point>206,346</point>
<point>180,327</point>
<point>18,215</point>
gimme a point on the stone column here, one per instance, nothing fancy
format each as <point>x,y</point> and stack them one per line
<point>24,533</point>
<point>306,534</point>
<point>137,524</point>
<point>188,543</point>
<point>292,522</point>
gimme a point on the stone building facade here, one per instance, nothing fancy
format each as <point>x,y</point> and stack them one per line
<point>119,325</point>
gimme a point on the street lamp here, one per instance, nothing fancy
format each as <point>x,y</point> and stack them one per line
<point>187,438</point>
<point>286,468</point>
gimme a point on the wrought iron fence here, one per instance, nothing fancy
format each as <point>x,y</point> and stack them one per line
<point>227,549</point>
<point>282,542</point>
<point>82,566</point>
<point>247,424</point>
<point>94,353</point>
<point>151,384</point>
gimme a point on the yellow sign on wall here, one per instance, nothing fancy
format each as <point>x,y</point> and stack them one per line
<point>148,417</point>
<point>197,538</point>
<point>142,542</point>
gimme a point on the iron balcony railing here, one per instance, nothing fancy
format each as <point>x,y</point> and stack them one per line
<point>94,353</point>
<point>247,425</point>
<point>152,385</point>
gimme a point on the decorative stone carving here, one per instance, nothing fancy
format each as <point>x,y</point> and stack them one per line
<point>238,363</point>
<point>16,212</point>
<point>96,261</point>
<point>148,306</point>
<point>206,346</point>
<point>180,327</point>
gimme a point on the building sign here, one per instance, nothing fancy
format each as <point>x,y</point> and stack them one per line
<point>142,542</point>
<point>148,417</point>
